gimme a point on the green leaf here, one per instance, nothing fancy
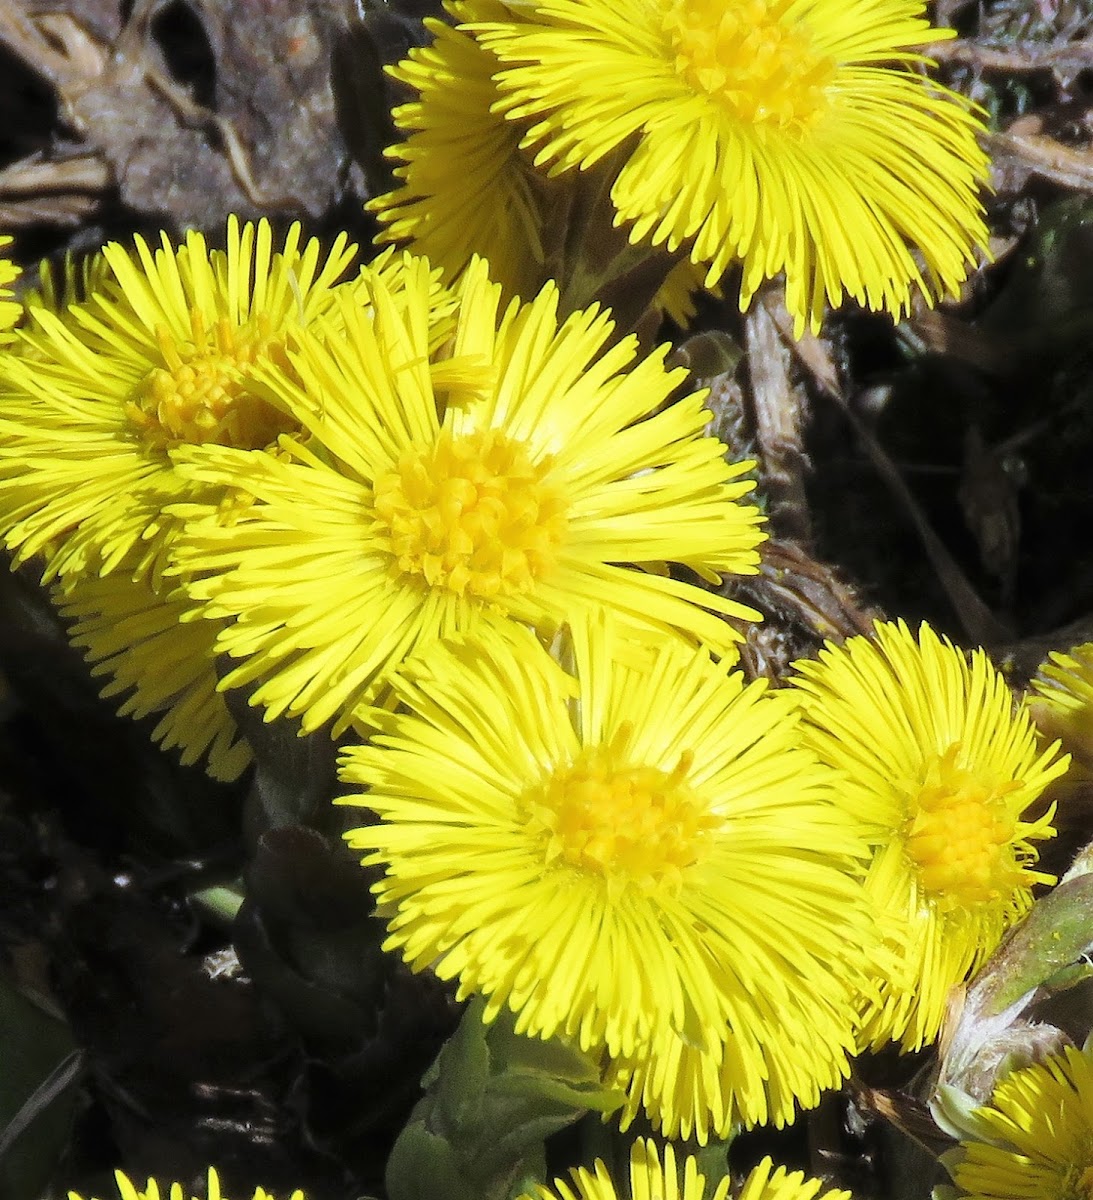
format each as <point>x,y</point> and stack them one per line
<point>1045,955</point>
<point>492,1100</point>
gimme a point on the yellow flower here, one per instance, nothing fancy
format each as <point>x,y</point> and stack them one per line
<point>654,1179</point>
<point>935,755</point>
<point>676,297</point>
<point>792,135</point>
<point>464,187</point>
<point>521,494</point>
<point>1062,701</point>
<point>138,634</point>
<point>1037,1135</point>
<point>763,1183</point>
<point>156,358</point>
<point>153,1190</point>
<point>637,855</point>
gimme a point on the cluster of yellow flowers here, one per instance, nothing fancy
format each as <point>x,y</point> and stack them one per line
<point>381,499</point>
<point>654,1175</point>
<point>1032,1140</point>
<point>427,506</point>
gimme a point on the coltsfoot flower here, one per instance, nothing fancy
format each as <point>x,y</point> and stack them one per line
<point>767,1182</point>
<point>1037,1135</point>
<point>157,357</point>
<point>1062,701</point>
<point>464,187</point>
<point>639,855</point>
<point>418,510</point>
<point>154,1190</point>
<point>791,135</point>
<point>937,757</point>
<point>653,1177</point>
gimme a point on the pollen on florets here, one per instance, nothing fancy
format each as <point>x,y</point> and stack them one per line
<point>472,514</point>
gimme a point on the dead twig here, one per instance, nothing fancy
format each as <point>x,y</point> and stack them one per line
<point>62,192</point>
<point>1020,57</point>
<point>23,38</point>
<point>776,412</point>
<point>1043,156</point>
<point>38,176</point>
<point>979,623</point>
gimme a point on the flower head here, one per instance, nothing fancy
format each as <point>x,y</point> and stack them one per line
<point>513,480</point>
<point>1062,701</point>
<point>153,1190</point>
<point>157,357</point>
<point>464,188</point>
<point>653,1177</point>
<point>638,855</point>
<point>791,135</point>
<point>767,1182</point>
<point>458,151</point>
<point>936,756</point>
<point>139,635</point>
<point>1037,1134</point>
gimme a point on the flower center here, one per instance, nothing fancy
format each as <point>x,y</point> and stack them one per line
<point>753,58</point>
<point>960,835</point>
<point>631,824</point>
<point>472,514</point>
<point>200,395</point>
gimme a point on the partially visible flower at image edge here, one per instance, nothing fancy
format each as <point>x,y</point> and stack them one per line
<point>639,855</point>
<point>788,135</point>
<point>125,356</point>
<point>1034,1137</point>
<point>658,1175</point>
<point>463,187</point>
<point>1061,700</point>
<point>537,472</point>
<point>156,356</point>
<point>10,308</point>
<point>154,1190</point>
<point>456,149</point>
<point>934,752</point>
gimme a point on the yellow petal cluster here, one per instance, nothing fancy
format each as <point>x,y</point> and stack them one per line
<point>659,1175</point>
<point>456,147</point>
<point>154,1190</point>
<point>1061,701</point>
<point>527,471</point>
<point>1037,1134</point>
<point>638,854</point>
<point>794,136</point>
<point>123,359</point>
<point>939,760</point>
<point>456,151</point>
<point>157,356</point>
<point>10,308</point>
<point>161,660</point>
